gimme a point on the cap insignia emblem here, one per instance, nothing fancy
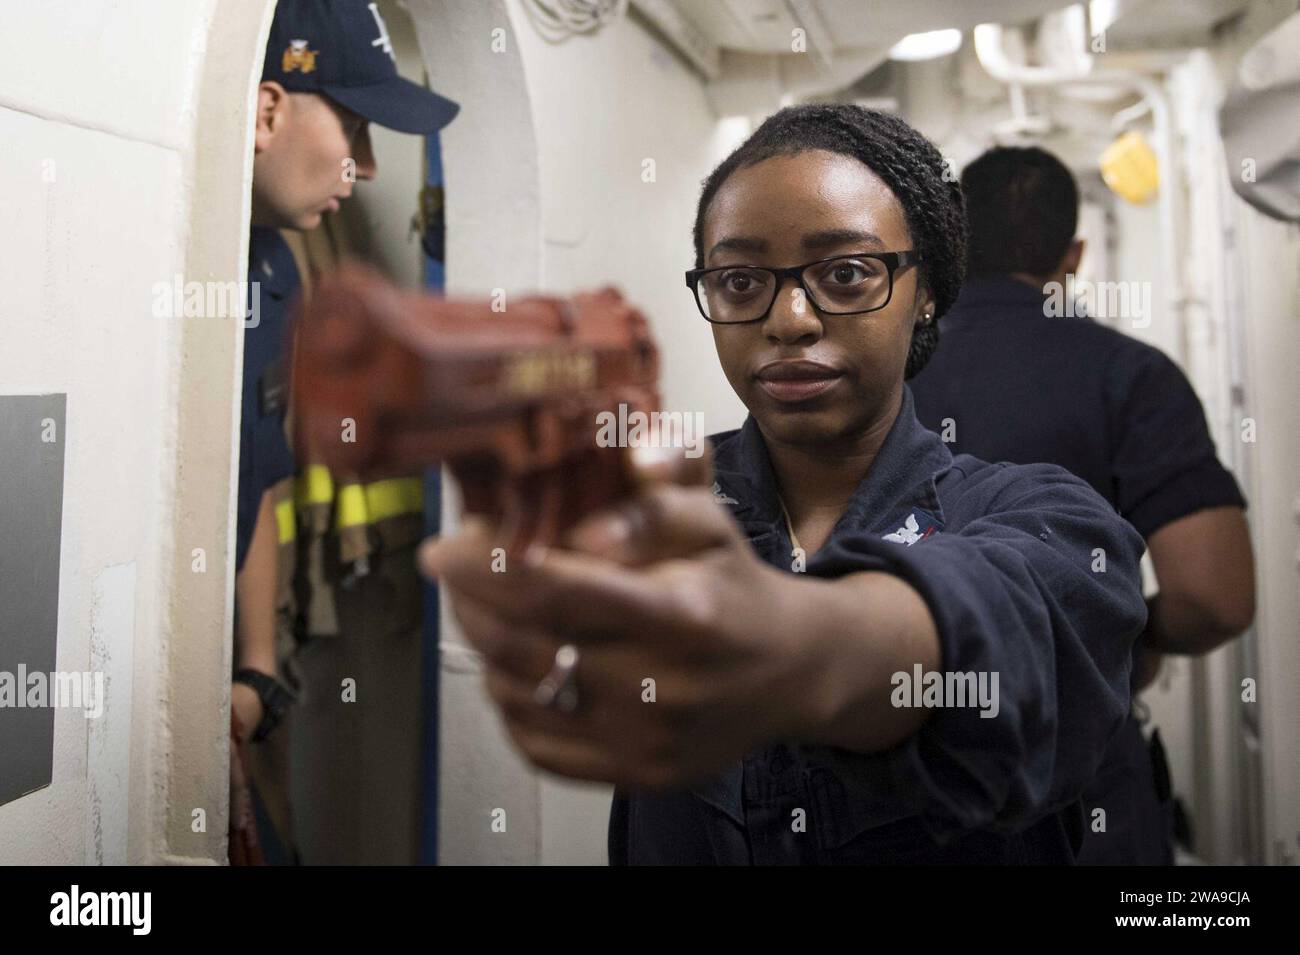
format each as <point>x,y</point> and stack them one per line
<point>298,57</point>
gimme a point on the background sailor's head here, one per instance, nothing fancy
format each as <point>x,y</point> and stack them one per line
<point>329,72</point>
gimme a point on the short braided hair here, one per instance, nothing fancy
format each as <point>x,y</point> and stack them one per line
<point>906,161</point>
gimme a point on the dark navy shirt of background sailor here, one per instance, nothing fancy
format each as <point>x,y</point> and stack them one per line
<point>264,455</point>
<point>1023,386</point>
<point>1020,385</point>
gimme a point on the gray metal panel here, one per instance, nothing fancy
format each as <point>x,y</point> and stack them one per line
<point>31,518</point>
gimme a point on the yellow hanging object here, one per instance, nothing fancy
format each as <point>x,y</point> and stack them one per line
<point>1130,169</point>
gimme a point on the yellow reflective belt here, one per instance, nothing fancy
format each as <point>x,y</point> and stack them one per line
<point>385,499</point>
<point>313,486</point>
<point>350,506</point>
<point>357,504</point>
<point>284,521</point>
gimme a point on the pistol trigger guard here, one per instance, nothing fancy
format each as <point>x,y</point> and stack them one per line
<point>550,504</point>
<point>515,527</point>
<point>532,513</point>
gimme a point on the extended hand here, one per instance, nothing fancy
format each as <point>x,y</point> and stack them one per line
<point>684,660</point>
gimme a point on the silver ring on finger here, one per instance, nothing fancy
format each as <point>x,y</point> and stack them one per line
<point>558,690</point>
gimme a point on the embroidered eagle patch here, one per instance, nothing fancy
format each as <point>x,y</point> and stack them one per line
<point>721,496</point>
<point>911,531</point>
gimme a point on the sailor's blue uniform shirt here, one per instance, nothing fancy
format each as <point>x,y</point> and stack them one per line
<point>1018,384</point>
<point>1003,556</point>
<point>264,455</point>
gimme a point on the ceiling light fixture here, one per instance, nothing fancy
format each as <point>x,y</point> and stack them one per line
<point>926,46</point>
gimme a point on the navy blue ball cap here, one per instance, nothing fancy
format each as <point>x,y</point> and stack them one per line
<point>341,48</point>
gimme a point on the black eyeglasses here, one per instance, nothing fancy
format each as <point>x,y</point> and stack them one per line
<point>843,285</point>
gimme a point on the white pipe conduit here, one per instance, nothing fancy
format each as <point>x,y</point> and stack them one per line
<point>989,50</point>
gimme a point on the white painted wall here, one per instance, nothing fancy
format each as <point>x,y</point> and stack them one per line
<point>545,192</point>
<point>156,149</point>
<point>493,216</point>
<point>1272,249</point>
<point>605,108</point>
<point>1243,295</point>
<point>1264,288</point>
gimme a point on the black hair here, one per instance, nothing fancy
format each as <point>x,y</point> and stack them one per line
<point>1022,208</point>
<point>909,165</point>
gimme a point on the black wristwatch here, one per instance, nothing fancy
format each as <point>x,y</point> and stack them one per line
<point>275,696</point>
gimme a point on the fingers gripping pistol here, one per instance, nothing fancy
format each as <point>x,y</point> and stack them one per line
<point>389,382</point>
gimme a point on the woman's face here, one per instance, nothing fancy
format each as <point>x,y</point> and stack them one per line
<point>807,378</point>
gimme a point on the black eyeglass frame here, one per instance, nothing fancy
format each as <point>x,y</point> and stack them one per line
<point>893,261</point>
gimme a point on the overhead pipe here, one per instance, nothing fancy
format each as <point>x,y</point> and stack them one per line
<point>992,56</point>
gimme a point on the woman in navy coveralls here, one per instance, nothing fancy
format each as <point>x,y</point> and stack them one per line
<point>737,652</point>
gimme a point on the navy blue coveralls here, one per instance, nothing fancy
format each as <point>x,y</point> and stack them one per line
<point>264,455</point>
<point>1019,385</point>
<point>1002,555</point>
